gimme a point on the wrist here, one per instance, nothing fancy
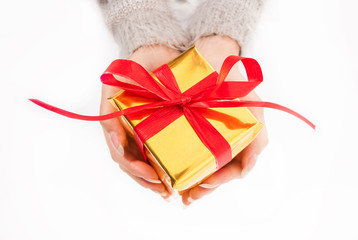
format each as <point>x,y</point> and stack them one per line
<point>157,48</point>
<point>215,49</point>
<point>220,45</point>
<point>152,56</point>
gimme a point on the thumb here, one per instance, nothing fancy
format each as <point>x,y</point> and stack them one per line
<point>248,159</point>
<point>250,154</point>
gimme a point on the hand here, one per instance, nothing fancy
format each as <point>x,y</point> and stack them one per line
<point>215,49</point>
<point>124,150</point>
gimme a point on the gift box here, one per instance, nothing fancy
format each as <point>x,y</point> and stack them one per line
<point>186,119</point>
<point>176,152</point>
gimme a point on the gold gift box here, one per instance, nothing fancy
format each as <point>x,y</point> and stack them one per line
<point>176,152</point>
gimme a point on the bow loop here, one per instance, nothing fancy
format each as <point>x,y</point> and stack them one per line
<point>230,89</point>
<point>133,71</point>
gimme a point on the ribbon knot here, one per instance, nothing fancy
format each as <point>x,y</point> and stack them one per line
<point>184,100</point>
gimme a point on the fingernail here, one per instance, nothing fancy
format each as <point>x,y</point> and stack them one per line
<point>175,194</point>
<point>190,199</point>
<point>115,143</point>
<point>120,150</point>
<point>152,180</point>
<point>163,194</point>
<point>169,199</point>
<point>209,186</point>
<point>250,164</point>
<point>244,172</point>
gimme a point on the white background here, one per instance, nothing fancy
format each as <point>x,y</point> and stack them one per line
<point>57,180</point>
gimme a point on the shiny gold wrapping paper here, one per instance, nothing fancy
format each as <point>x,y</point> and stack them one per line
<point>176,152</point>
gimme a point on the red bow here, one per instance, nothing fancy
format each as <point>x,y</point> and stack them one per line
<point>170,103</point>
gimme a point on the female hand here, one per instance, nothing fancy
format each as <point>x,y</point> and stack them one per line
<point>215,49</point>
<point>123,149</point>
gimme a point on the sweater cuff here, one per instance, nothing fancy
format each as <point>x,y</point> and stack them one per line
<point>232,18</point>
<point>136,23</point>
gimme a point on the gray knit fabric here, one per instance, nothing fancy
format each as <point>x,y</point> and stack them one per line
<point>233,18</point>
<point>136,23</point>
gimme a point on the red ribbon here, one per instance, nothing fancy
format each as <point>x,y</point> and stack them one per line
<point>170,103</point>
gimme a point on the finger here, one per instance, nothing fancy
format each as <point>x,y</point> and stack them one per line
<point>157,188</point>
<point>248,157</point>
<point>142,170</point>
<point>121,149</point>
<point>258,112</point>
<point>194,194</point>
<point>231,171</point>
<point>129,161</point>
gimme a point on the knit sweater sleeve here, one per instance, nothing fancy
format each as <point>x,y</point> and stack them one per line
<point>136,23</point>
<point>233,18</point>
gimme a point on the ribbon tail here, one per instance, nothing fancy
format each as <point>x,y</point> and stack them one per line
<point>128,111</point>
<point>236,103</point>
<point>75,115</point>
<point>282,108</point>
